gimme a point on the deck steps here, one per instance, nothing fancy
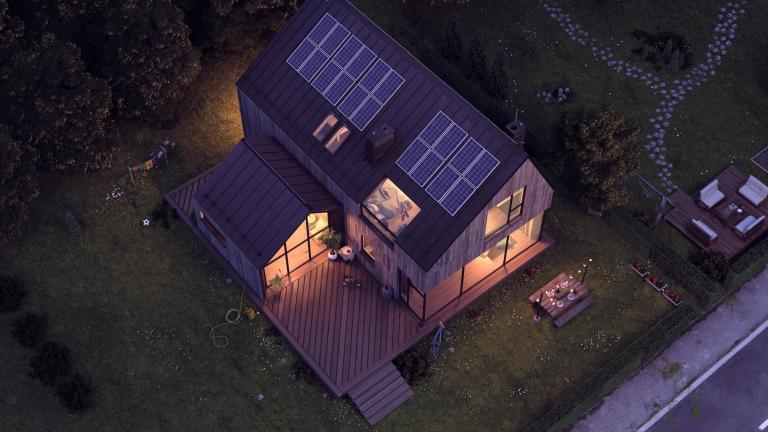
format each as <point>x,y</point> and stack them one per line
<point>380,393</point>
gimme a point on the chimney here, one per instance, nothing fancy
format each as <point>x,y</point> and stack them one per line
<point>516,129</point>
<point>379,141</point>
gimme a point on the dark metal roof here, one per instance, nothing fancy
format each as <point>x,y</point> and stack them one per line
<point>297,108</point>
<point>259,195</point>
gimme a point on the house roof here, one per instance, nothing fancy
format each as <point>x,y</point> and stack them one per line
<point>297,108</point>
<point>259,195</point>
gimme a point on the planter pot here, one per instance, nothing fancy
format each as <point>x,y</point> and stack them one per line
<point>332,255</point>
<point>676,303</point>
<point>642,273</point>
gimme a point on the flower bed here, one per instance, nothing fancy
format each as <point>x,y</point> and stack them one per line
<point>638,268</point>
<point>672,297</point>
<point>655,282</point>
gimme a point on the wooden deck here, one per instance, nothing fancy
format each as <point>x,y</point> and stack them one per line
<point>728,243</point>
<point>346,331</point>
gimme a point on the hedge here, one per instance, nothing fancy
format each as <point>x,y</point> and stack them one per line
<point>749,264</point>
<point>683,272</point>
<point>621,367</point>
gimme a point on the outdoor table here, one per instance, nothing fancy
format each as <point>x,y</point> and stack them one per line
<point>731,211</point>
<point>550,303</point>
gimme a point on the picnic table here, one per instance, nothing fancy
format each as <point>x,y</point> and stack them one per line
<point>556,307</point>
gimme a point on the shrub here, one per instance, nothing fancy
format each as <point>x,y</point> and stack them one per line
<point>413,365</point>
<point>29,329</point>
<point>12,293</point>
<point>713,264</point>
<point>51,363</point>
<point>75,393</point>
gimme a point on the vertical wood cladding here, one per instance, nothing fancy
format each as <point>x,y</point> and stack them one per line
<point>470,244</point>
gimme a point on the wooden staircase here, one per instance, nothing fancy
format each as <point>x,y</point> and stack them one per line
<point>380,393</point>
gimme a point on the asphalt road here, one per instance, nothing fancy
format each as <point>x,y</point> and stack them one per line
<point>733,399</point>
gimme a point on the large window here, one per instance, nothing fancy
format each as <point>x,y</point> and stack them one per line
<point>389,209</point>
<point>474,272</point>
<point>303,245</point>
<point>500,215</point>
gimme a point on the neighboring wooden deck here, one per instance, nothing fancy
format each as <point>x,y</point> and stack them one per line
<point>728,243</point>
<point>345,332</point>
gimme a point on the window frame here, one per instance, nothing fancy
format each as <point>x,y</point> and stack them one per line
<point>516,210</point>
<point>368,255</point>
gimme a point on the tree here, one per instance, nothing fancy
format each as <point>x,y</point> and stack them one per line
<point>29,329</point>
<point>147,56</point>
<point>18,185</point>
<point>476,66</point>
<point>75,393</point>
<point>600,151</point>
<point>452,45</point>
<point>12,294</point>
<point>221,26</point>
<point>59,108</point>
<point>498,85</point>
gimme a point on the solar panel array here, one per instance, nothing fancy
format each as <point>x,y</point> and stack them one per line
<point>333,60</point>
<point>460,175</point>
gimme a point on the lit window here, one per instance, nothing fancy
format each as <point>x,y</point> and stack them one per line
<point>391,209</point>
<point>505,212</point>
<point>322,131</point>
<point>338,138</point>
<point>367,247</point>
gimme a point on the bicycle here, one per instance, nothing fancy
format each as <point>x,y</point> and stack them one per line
<point>443,332</point>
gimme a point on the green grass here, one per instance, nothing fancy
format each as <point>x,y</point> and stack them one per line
<point>132,303</point>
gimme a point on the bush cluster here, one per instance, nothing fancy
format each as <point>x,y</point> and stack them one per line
<point>683,272</point>
<point>12,294</point>
<point>713,264</point>
<point>414,365</point>
<point>619,368</point>
<point>29,329</point>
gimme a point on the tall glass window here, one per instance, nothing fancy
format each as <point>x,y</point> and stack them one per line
<point>303,245</point>
<point>500,215</point>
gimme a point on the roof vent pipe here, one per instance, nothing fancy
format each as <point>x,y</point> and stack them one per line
<point>379,141</point>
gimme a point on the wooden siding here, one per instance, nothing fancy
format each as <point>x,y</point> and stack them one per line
<point>470,244</point>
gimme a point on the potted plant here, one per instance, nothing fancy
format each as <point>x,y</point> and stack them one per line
<point>276,283</point>
<point>332,240</point>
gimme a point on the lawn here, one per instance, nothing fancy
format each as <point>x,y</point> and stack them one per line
<point>132,303</point>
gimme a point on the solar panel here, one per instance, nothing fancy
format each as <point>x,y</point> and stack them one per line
<point>375,75</point>
<point>322,28</point>
<point>353,101</point>
<point>339,88</point>
<point>334,40</point>
<point>450,141</point>
<point>361,62</point>
<point>301,54</point>
<point>348,51</point>
<point>481,169</point>
<point>412,155</point>
<point>442,183</point>
<point>468,153</point>
<point>457,196</point>
<point>366,113</point>
<point>426,168</point>
<point>326,77</point>
<point>388,87</point>
<point>436,128</point>
<point>313,64</point>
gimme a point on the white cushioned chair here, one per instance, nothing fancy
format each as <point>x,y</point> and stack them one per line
<point>704,231</point>
<point>754,190</point>
<point>710,195</point>
<point>749,223</point>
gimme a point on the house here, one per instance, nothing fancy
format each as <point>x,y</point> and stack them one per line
<point>344,129</point>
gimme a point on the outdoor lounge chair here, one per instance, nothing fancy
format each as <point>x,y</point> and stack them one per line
<point>749,223</point>
<point>703,231</point>
<point>754,190</point>
<point>710,195</point>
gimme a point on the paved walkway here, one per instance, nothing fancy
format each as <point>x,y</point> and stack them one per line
<point>636,401</point>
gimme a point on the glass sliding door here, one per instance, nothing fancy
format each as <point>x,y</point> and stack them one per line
<point>303,245</point>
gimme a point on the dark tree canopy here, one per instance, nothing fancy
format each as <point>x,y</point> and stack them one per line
<point>220,26</point>
<point>498,84</point>
<point>452,45</point>
<point>600,152</point>
<point>476,64</point>
<point>147,56</point>
<point>60,109</point>
<point>18,185</point>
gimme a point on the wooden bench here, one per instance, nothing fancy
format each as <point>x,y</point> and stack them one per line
<point>573,311</point>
